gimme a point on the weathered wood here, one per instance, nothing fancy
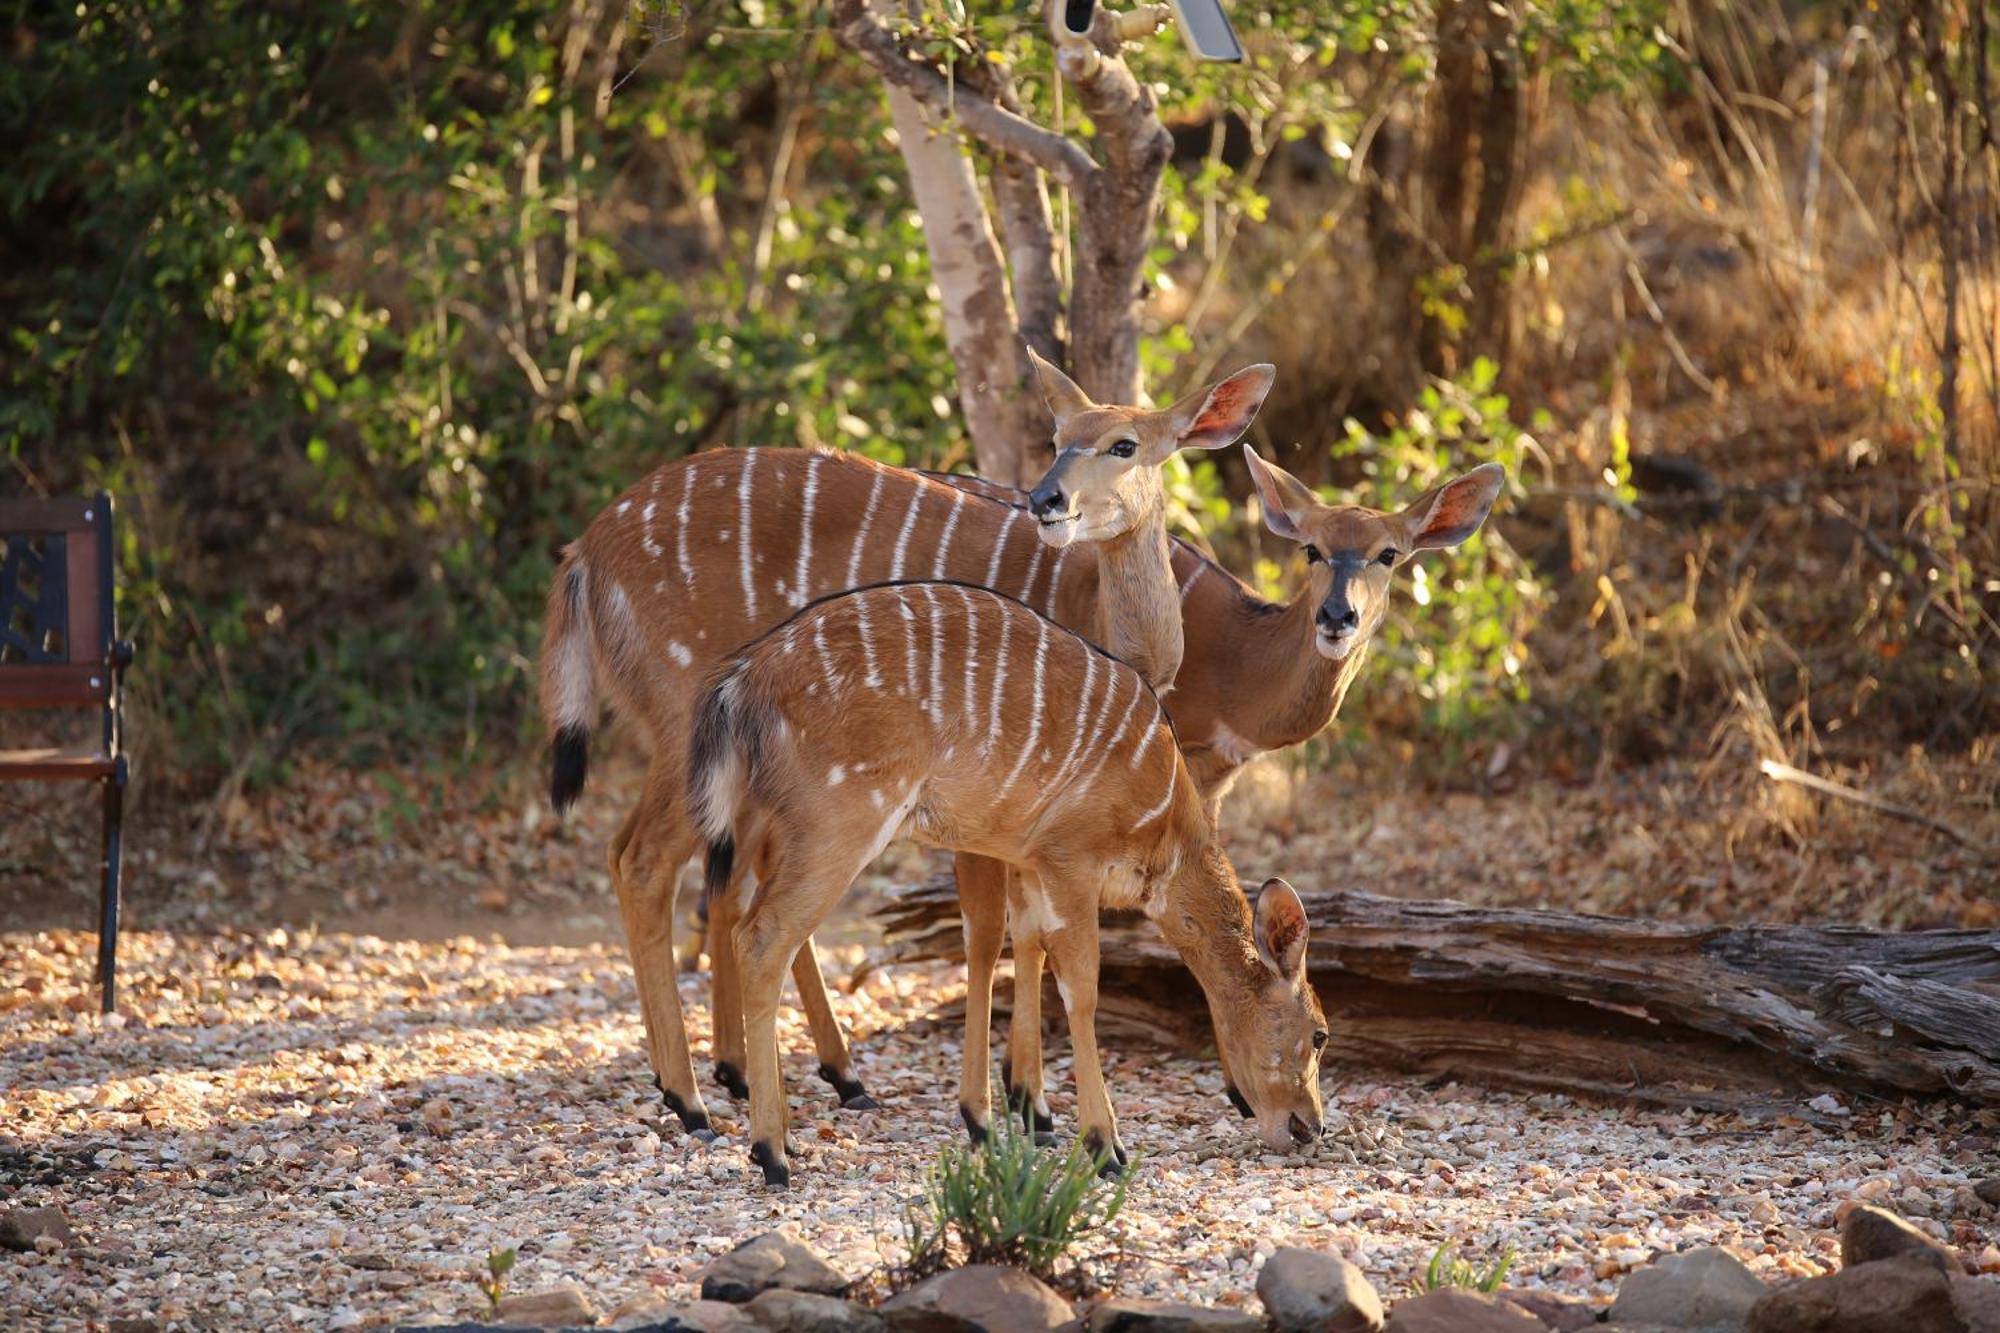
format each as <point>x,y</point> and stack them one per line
<point>1664,1013</point>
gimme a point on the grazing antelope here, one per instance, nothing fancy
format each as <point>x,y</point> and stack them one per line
<point>810,752</point>
<point>705,553</point>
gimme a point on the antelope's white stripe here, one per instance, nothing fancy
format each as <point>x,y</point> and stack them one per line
<point>1125,720</point>
<point>646,541</point>
<point>971,651</point>
<point>993,565</point>
<point>909,643</point>
<point>681,524</point>
<point>934,702</point>
<point>1035,713</point>
<point>861,533</point>
<point>999,684</point>
<point>950,526</point>
<point>1055,585</point>
<point>743,530</point>
<point>1187,584</point>
<point>1173,777</point>
<point>903,537</point>
<point>1152,734</point>
<point>802,577</point>
<point>1076,745</point>
<point>819,643</point>
<point>873,678</point>
<point>1034,568</point>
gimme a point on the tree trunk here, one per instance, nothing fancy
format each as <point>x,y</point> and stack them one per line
<point>1001,412</point>
<point>1679,1015</point>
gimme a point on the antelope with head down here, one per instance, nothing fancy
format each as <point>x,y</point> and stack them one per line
<point>924,710</point>
<point>707,552</point>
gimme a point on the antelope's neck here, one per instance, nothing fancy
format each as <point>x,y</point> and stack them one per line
<point>1206,919</point>
<point>1283,690</point>
<point>1138,602</point>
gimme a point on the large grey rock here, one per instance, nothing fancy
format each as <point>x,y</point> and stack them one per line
<point>765,1263</point>
<point>1130,1315</point>
<point>1906,1294</point>
<point>1564,1314</point>
<point>1456,1310</point>
<point>981,1298</point>
<point>1311,1291</point>
<point>781,1310</point>
<point>1869,1233</point>
<point>1977,1301</point>
<point>20,1228</point>
<point>558,1307</point>
<point>1707,1289</point>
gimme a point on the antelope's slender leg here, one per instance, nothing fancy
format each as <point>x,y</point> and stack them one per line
<point>1073,951</point>
<point>1026,1096</point>
<point>726,1001</point>
<point>829,1043</point>
<point>767,937</point>
<point>646,902</point>
<point>982,904</point>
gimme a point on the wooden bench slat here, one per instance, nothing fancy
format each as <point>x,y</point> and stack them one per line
<point>54,686</point>
<point>85,639</point>
<point>63,514</point>
<point>56,764</point>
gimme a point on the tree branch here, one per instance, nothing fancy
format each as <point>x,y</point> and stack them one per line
<point>997,128</point>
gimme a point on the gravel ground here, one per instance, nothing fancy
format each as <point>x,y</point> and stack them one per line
<point>332,1130</point>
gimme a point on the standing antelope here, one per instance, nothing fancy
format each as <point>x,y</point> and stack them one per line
<point>811,751</point>
<point>1257,677</point>
<point>706,552</point>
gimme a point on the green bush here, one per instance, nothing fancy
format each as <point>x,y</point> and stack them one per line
<point>1006,1201</point>
<point>1446,1269</point>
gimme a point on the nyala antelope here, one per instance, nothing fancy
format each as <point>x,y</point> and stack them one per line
<point>964,719</point>
<point>705,553</point>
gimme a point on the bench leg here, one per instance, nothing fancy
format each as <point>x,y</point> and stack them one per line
<point>107,920</point>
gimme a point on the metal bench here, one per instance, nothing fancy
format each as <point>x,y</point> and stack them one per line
<point>59,648</point>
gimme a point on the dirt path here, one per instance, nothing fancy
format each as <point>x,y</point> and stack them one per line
<point>304,1130</point>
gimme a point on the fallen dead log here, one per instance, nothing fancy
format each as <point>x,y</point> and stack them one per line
<point>1613,1006</point>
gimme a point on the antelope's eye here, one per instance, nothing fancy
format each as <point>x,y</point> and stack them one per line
<point>1388,556</point>
<point>1054,447</point>
<point>1319,1039</point>
<point>1313,556</point>
<point>1124,448</point>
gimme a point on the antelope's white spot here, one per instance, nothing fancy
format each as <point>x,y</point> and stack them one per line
<point>624,505</point>
<point>835,776</point>
<point>679,652</point>
<point>875,799</point>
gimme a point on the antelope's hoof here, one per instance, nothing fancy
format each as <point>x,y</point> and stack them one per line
<point>731,1080</point>
<point>1111,1161</point>
<point>1045,1138</point>
<point>693,1118</point>
<point>1033,1118</point>
<point>975,1128</point>
<point>777,1175</point>
<point>853,1097</point>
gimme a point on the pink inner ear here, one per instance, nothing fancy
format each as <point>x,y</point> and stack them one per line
<point>1227,409</point>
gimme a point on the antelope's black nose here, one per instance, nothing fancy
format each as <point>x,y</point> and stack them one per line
<point>1045,501</point>
<point>1342,621</point>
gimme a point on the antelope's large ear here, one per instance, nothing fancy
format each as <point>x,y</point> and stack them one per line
<point>1059,391</point>
<point>1216,417</point>
<point>1285,499</point>
<point>1446,515</point>
<point>1282,929</point>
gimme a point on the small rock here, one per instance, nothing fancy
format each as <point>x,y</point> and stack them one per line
<point>135,1324</point>
<point>1869,1233</point>
<point>768,1262</point>
<point>781,1310</point>
<point>1907,1294</point>
<point>22,1228</point>
<point>1989,1190</point>
<point>651,1316</point>
<point>1977,1302</point>
<point>1457,1310</point>
<point>1707,1289</point>
<point>1564,1314</point>
<point>982,1298</point>
<point>1311,1291</point>
<point>558,1307</point>
<point>1130,1315</point>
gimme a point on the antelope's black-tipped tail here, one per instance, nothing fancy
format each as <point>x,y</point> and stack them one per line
<point>569,765</point>
<point>720,864</point>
